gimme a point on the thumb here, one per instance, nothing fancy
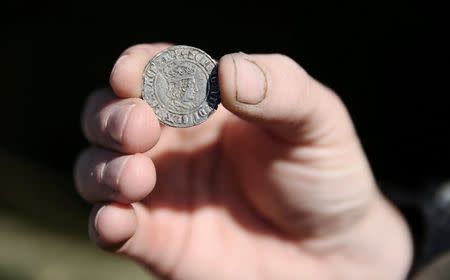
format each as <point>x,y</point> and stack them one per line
<point>277,93</point>
<point>311,122</point>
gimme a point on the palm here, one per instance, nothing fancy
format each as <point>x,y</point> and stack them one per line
<point>200,204</point>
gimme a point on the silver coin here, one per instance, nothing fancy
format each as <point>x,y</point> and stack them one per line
<point>180,84</point>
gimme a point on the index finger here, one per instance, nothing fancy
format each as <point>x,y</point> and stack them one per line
<point>126,75</point>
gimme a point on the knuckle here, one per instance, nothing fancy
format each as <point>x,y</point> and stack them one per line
<point>291,67</point>
<point>285,59</point>
<point>135,48</point>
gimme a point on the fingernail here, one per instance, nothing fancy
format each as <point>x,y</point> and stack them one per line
<point>96,218</point>
<point>117,121</point>
<point>250,80</point>
<point>112,172</point>
<point>118,61</point>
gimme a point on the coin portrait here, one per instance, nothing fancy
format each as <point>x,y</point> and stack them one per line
<point>180,84</point>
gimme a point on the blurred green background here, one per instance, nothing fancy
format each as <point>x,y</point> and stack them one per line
<point>387,60</point>
<point>43,229</point>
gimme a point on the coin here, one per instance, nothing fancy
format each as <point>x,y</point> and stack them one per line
<point>180,84</point>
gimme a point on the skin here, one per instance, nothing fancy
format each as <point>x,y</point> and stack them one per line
<point>274,185</point>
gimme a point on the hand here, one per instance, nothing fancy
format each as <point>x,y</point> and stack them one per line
<point>275,185</point>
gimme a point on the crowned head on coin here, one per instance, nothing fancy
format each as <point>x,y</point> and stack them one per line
<point>180,77</point>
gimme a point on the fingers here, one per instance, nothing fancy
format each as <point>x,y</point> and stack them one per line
<point>125,125</point>
<point>154,236</point>
<point>277,93</point>
<point>102,175</point>
<point>128,125</point>
<point>112,225</point>
<point>126,76</point>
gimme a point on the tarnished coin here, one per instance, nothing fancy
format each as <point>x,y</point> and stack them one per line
<point>180,84</point>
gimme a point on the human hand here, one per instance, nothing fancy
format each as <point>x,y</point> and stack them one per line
<point>274,185</point>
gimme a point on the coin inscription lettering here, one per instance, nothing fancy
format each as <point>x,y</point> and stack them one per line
<point>180,84</point>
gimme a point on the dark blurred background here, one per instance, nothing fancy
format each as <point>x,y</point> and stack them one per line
<point>389,61</point>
